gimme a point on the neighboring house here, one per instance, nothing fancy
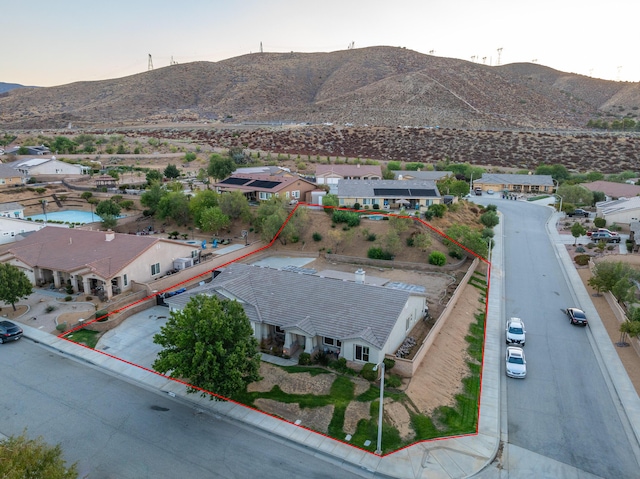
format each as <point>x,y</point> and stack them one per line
<point>263,187</point>
<point>623,211</point>
<point>613,190</point>
<point>48,166</point>
<point>421,175</point>
<point>11,177</point>
<point>634,235</point>
<point>303,312</point>
<point>12,210</point>
<point>501,183</point>
<point>264,170</point>
<point>29,150</point>
<point>95,260</point>
<point>388,194</point>
<point>12,229</point>
<point>331,174</point>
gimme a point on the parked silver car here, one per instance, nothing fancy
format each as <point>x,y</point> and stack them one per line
<point>516,362</point>
<point>515,332</point>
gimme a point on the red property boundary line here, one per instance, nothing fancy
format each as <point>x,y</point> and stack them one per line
<point>211,394</point>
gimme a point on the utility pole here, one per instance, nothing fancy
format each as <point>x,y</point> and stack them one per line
<point>499,53</point>
<point>150,67</point>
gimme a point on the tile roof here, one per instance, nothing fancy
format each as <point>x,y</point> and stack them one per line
<point>349,170</point>
<point>509,179</point>
<point>376,189</point>
<point>612,189</point>
<point>7,171</point>
<point>318,306</point>
<point>618,206</point>
<point>71,249</point>
<point>421,175</point>
<point>264,183</point>
<point>11,205</point>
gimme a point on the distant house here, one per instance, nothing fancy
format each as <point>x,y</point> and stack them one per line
<point>264,170</point>
<point>12,210</point>
<point>515,183</point>
<point>48,166</point>
<point>95,260</point>
<point>388,194</point>
<point>421,175</point>
<point>302,312</point>
<point>13,229</point>
<point>263,187</point>
<point>613,190</point>
<point>11,177</point>
<point>331,174</point>
<point>29,150</point>
<point>622,211</point>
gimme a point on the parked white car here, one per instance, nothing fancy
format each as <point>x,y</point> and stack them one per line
<point>515,332</point>
<point>516,362</point>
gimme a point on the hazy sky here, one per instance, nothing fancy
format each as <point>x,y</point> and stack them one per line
<point>48,43</point>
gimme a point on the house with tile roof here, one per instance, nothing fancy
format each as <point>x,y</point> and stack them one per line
<point>258,187</point>
<point>413,195</point>
<point>331,174</point>
<point>11,177</point>
<point>515,183</point>
<point>95,260</point>
<point>358,321</point>
<point>28,150</point>
<point>613,190</point>
<point>421,175</point>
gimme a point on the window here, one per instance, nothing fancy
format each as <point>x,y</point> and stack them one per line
<point>332,342</point>
<point>362,353</point>
<point>155,269</point>
<point>264,196</point>
<point>296,194</point>
<point>287,195</point>
<point>125,280</point>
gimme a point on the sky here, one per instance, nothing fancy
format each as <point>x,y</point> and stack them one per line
<point>47,43</point>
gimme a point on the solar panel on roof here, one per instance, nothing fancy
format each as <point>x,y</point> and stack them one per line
<point>422,192</point>
<point>397,192</point>
<point>264,184</point>
<point>235,181</point>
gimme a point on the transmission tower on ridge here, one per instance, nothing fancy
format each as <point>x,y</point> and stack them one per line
<point>351,45</point>
<point>260,47</point>
<point>499,53</point>
<point>150,63</point>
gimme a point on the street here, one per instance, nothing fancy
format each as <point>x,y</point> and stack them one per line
<point>114,429</point>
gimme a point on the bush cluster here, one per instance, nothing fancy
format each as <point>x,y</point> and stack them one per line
<point>379,253</point>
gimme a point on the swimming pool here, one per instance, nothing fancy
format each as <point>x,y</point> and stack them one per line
<point>69,216</point>
<point>374,217</point>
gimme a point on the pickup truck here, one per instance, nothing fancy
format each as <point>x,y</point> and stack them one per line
<point>578,212</point>
<point>603,236</point>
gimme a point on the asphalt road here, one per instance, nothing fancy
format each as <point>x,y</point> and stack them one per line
<point>114,429</point>
<point>563,409</point>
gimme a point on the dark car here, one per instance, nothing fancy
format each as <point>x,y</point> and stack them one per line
<point>577,316</point>
<point>9,331</point>
<point>578,212</point>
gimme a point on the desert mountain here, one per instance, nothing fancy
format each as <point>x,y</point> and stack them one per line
<point>382,86</point>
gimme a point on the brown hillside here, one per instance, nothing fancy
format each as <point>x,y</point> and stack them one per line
<point>382,86</point>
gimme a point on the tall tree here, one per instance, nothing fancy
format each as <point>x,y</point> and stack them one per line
<point>212,219</point>
<point>14,285</point>
<point>108,208</point>
<point>153,176</point>
<point>210,343</point>
<point>220,167</point>
<point>200,201</point>
<point>235,205</point>
<point>174,205</point>
<point>577,230</point>
<point>151,198</point>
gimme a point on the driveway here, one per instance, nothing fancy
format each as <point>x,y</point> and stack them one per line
<point>133,339</point>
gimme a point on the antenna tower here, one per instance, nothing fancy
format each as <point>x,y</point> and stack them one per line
<point>499,53</point>
<point>173,62</point>
<point>150,67</point>
<point>260,47</point>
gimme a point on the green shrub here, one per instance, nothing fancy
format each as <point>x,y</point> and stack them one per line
<point>371,237</point>
<point>580,249</point>
<point>599,222</point>
<point>456,254</point>
<point>340,365</point>
<point>100,313</point>
<point>376,206</point>
<point>582,259</point>
<point>428,215</point>
<point>410,241</point>
<point>437,258</point>
<point>61,326</point>
<point>388,363</point>
<point>68,298</point>
<point>322,358</point>
<point>378,253</point>
<point>356,206</point>
<point>304,359</point>
<point>349,217</point>
<point>50,309</point>
<point>317,236</point>
<point>368,373</point>
<point>393,381</point>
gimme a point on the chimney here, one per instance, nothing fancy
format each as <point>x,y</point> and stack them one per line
<point>109,235</point>
<point>360,276</point>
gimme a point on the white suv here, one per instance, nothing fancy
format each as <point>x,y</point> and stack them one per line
<point>515,333</point>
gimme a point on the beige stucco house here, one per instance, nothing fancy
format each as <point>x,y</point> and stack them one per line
<point>499,183</point>
<point>96,262</point>
<point>258,187</point>
<point>411,195</point>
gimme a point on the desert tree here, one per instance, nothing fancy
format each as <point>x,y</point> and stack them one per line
<point>220,167</point>
<point>171,171</point>
<point>14,284</point>
<point>577,230</point>
<point>21,457</point>
<point>210,343</point>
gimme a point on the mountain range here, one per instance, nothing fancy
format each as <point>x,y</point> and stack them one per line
<point>376,86</point>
